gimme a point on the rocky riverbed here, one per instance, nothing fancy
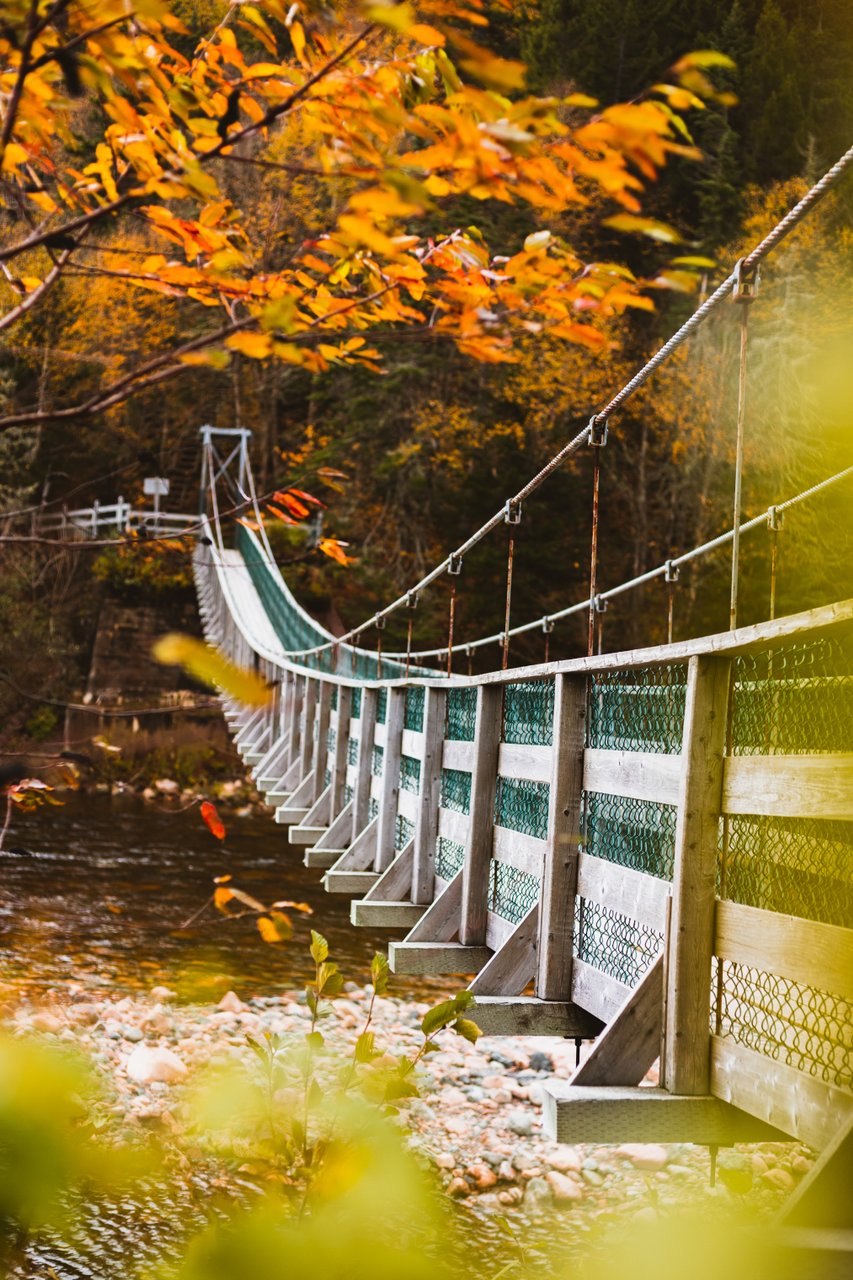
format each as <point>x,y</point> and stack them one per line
<point>478,1121</point>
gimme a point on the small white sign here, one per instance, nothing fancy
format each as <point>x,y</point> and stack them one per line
<point>155,486</point>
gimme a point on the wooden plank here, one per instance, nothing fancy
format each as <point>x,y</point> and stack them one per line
<point>390,782</point>
<point>360,854</point>
<point>530,1016</point>
<point>318,814</point>
<point>589,1114</point>
<point>630,1043</point>
<point>340,829</point>
<point>339,756</point>
<point>790,786</point>
<point>532,763</point>
<point>815,954</point>
<point>407,804</point>
<point>349,881</point>
<point>320,858</point>
<point>295,721</point>
<point>435,957</point>
<point>413,739</point>
<point>685,1062</point>
<point>376,914</point>
<point>559,876</point>
<point>429,791</point>
<point>478,847</point>
<point>638,775</point>
<point>321,739</point>
<point>516,849</point>
<point>453,825</point>
<point>513,965</point>
<point>395,882</point>
<point>632,893</point>
<point>361,785</point>
<point>498,930</point>
<point>440,923</point>
<point>798,1104</point>
<point>812,624</point>
<point>305,834</point>
<point>596,991</point>
<point>456,755</point>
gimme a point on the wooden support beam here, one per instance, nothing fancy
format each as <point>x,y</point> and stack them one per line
<point>440,923</point>
<point>360,854</point>
<point>584,1114</point>
<point>512,966</point>
<point>629,1044</point>
<point>340,830</point>
<point>559,881</point>
<point>478,850</point>
<point>377,914</point>
<point>357,882</point>
<point>429,793</point>
<point>395,882</point>
<point>435,957</point>
<point>685,1059</point>
<point>529,1016</point>
<point>361,786</point>
<point>305,834</point>
<point>395,713</point>
<point>295,718</point>
<point>321,859</point>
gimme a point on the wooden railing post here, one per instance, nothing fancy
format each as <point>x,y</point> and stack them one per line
<point>367,734</point>
<point>429,790</point>
<point>321,747</point>
<point>339,759</point>
<point>306,745</point>
<point>387,816</point>
<point>560,873</point>
<point>685,1057</point>
<point>295,718</point>
<point>478,847</point>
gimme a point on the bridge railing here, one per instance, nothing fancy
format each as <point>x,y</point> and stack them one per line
<point>119,516</point>
<point>655,845</point>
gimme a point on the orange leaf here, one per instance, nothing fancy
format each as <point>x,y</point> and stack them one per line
<point>334,549</point>
<point>212,820</point>
<point>275,927</point>
<point>221,898</point>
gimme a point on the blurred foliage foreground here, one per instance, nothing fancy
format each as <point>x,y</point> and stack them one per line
<point>339,1193</point>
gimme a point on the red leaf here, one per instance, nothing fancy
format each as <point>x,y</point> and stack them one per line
<point>212,820</point>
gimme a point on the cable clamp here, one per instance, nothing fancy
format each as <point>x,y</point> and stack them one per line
<point>379,622</point>
<point>599,604</point>
<point>454,565</point>
<point>597,432</point>
<point>775,519</point>
<point>512,512</point>
<point>547,625</point>
<point>747,280</point>
<point>671,571</point>
<point>411,600</point>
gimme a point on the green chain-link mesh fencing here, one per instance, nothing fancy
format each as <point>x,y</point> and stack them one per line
<point>793,700</point>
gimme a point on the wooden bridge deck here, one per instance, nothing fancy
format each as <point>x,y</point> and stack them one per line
<point>649,849</point>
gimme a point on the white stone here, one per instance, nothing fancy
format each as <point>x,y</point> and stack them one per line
<point>230,1003</point>
<point>146,1066</point>
<point>563,1189</point>
<point>645,1155</point>
<point>166,786</point>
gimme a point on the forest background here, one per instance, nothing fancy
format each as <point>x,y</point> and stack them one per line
<point>409,461</point>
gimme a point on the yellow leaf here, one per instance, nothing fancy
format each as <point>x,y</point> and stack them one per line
<point>644,226</point>
<point>212,357</point>
<point>275,927</point>
<point>211,667</point>
<point>13,156</point>
<point>256,345</point>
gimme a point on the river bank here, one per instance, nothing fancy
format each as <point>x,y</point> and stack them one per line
<point>477,1124</point>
